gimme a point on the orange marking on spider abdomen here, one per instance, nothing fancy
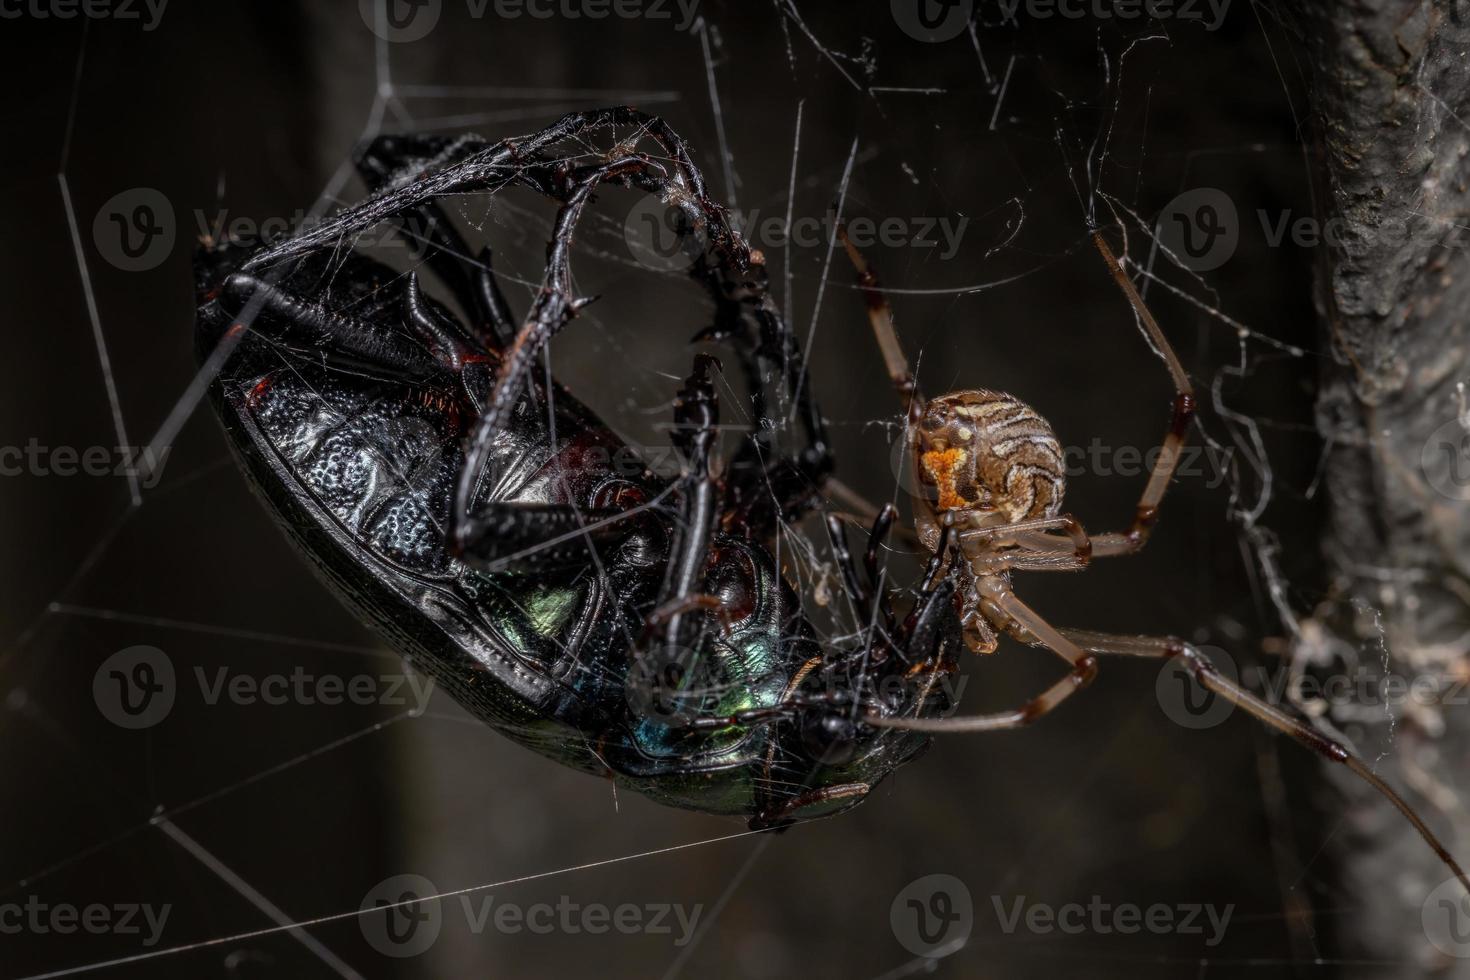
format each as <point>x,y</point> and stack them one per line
<point>943,467</point>
<point>988,451</point>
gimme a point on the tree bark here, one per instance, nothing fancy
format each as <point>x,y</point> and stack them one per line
<point>1391,118</point>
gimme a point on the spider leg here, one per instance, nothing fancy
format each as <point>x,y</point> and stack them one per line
<point>433,237</point>
<point>1027,624</point>
<point>1080,646</point>
<point>1209,677</point>
<point>1033,547</point>
<point>1146,514</point>
<point>880,316</point>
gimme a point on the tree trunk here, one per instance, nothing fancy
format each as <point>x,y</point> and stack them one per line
<point>1391,114</point>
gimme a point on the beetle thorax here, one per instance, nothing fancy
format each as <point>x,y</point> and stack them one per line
<point>989,454</point>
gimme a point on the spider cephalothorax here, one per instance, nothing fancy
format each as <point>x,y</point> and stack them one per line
<point>986,458</point>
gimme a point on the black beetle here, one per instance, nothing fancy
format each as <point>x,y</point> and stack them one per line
<point>618,622</point>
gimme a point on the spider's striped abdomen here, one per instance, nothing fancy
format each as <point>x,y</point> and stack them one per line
<point>988,452</point>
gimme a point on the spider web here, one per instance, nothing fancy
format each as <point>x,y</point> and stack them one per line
<point>263,831</point>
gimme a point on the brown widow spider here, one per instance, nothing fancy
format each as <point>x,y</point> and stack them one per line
<point>990,479</point>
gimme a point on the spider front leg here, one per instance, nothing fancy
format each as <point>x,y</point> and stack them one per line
<point>1079,647</point>
<point>1147,512</point>
<point>1209,677</point>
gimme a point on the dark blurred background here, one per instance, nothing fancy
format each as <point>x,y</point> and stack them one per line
<point>240,817</point>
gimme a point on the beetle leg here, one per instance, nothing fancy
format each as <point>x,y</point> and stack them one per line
<point>339,337</point>
<point>434,238</point>
<point>780,818</point>
<point>873,608</point>
<point>696,421</point>
<point>528,537</point>
<point>765,484</point>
